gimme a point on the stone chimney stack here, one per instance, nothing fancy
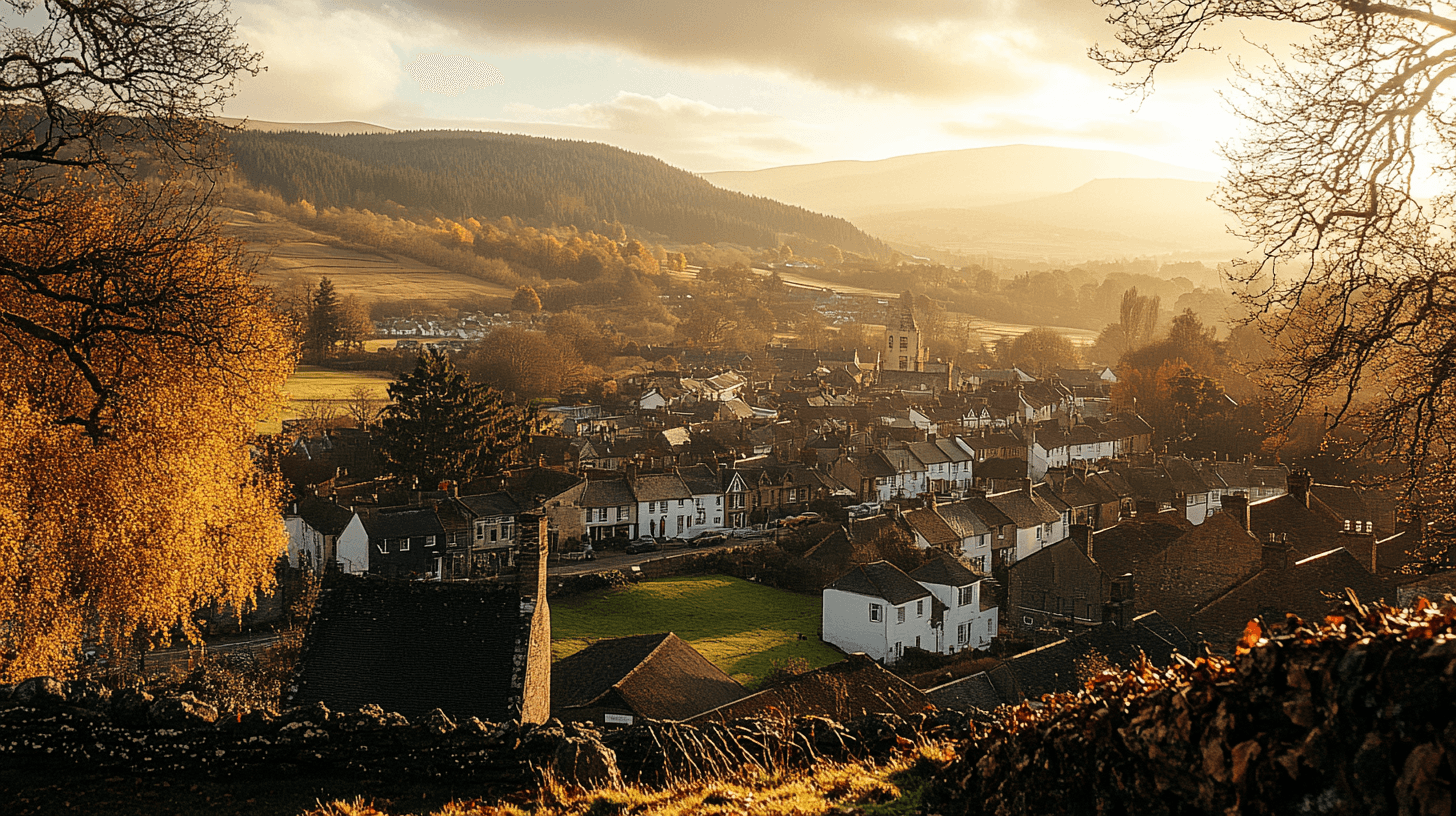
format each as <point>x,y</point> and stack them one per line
<point>1275,554</point>
<point>1299,484</point>
<point>531,560</point>
<point>1237,505</point>
<point>1082,534</point>
<point>1026,488</point>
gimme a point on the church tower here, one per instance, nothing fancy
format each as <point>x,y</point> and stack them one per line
<point>905,350</point>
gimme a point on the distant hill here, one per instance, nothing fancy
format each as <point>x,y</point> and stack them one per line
<point>462,174</point>
<point>333,128</point>
<point>954,179</point>
<point>1102,218</point>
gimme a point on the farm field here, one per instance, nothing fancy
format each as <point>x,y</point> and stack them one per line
<point>311,384</point>
<point>741,627</point>
<point>289,249</point>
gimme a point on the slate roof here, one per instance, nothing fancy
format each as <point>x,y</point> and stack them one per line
<point>1053,668</point>
<point>1025,511</point>
<point>1131,542</point>
<point>975,692</point>
<point>700,480</point>
<point>658,676</point>
<point>988,513</point>
<point>928,453</point>
<point>491,504</point>
<point>606,493</point>
<point>535,485</point>
<point>962,519</point>
<point>944,572</point>
<point>903,461</point>
<point>323,515</point>
<point>932,528</point>
<point>660,486</point>
<point>954,452</point>
<point>841,691</point>
<point>883,580</point>
<point>1001,469</point>
<point>412,647</point>
<point>402,522</point>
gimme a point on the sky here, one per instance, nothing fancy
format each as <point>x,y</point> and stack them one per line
<point>734,84</point>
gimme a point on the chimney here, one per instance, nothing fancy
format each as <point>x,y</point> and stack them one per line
<point>1026,488</point>
<point>1299,484</point>
<point>531,560</point>
<point>1237,504</point>
<point>1275,554</point>
<point>1082,534</point>
<point>1120,607</point>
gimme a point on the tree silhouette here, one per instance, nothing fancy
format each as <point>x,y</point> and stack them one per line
<point>441,426</point>
<point>1352,284</point>
<point>325,322</point>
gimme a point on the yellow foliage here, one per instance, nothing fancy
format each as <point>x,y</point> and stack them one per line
<point>131,381</point>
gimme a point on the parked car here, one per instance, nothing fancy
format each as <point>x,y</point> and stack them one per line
<point>645,544</point>
<point>708,539</point>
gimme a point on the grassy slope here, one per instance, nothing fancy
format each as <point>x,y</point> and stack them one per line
<point>313,384</point>
<point>740,626</point>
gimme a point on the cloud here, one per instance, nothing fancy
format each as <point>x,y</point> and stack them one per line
<point>322,64</point>
<point>931,49</point>
<point>453,74</point>
<point>684,132</point>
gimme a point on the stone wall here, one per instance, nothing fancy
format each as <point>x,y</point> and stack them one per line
<point>84,728</point>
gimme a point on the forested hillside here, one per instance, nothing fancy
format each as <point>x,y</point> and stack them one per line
<point>459,174</point>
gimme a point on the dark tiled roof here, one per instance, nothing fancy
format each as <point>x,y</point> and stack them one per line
<point>881,580</point>
<point>606,493</point>
<point>1131,542</point>
<point>962,519</point>
<point>658,676</point>
<point>660,486</point>
<point>996,468</point>
<point>945,572</point>
<point>701,480</point>
<point>492,504</point>
<point>953,452</point>
<point>323,515</point>
<point>987,512</point>
<point>412,647</point>
<point>932,528</point>
<point>1054,668</point>
<point>402,522</point>
<point>1025,511</point>
<point>841,691</point>
<point>928,452</point>
<point>975,692</point>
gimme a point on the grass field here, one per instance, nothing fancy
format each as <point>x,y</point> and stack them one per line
<point>742,627</point>
<point>311,384</point>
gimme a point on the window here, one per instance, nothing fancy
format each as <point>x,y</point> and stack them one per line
<point>679,524</point>
<point>904,363</point>
<point>874,608</point>
<point>623,513</point>
<point>384,545</point>
<point>493,533</point>
<point>963,633</point>
<point>430,541</point>
<point>1347,525</point>
<point>919,610</point>
<point>718,501</point>
<point>680,502</point>
<point>505,531</point>
<point>1027,620</point>
<point>479,531</point>
<point>899,614</point>
<point>968,595</point>
<point>652,507</point>
<point>890,340</point>
<point>988,624</point>
<point>904,342</point>
<point>403,544</point>
<point>979,562</point>
<point>601,514</point>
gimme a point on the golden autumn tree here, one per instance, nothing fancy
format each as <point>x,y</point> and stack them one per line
<point>138,357</point>
<point>138,354</point>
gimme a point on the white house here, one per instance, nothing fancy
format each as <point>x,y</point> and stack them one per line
<point>970,619</point>
<point>879,610</point>
<point>910,473</point>
<point>314,526</point>
<point>665,506</point>
<point>706,486</point>
<point>1038,524</point>
<point>352,547</point>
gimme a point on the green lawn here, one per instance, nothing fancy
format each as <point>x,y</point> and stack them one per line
<point>741,627</point>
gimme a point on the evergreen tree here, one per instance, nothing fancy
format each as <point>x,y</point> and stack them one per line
<point>443,426</point>
<point>325,322</point>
